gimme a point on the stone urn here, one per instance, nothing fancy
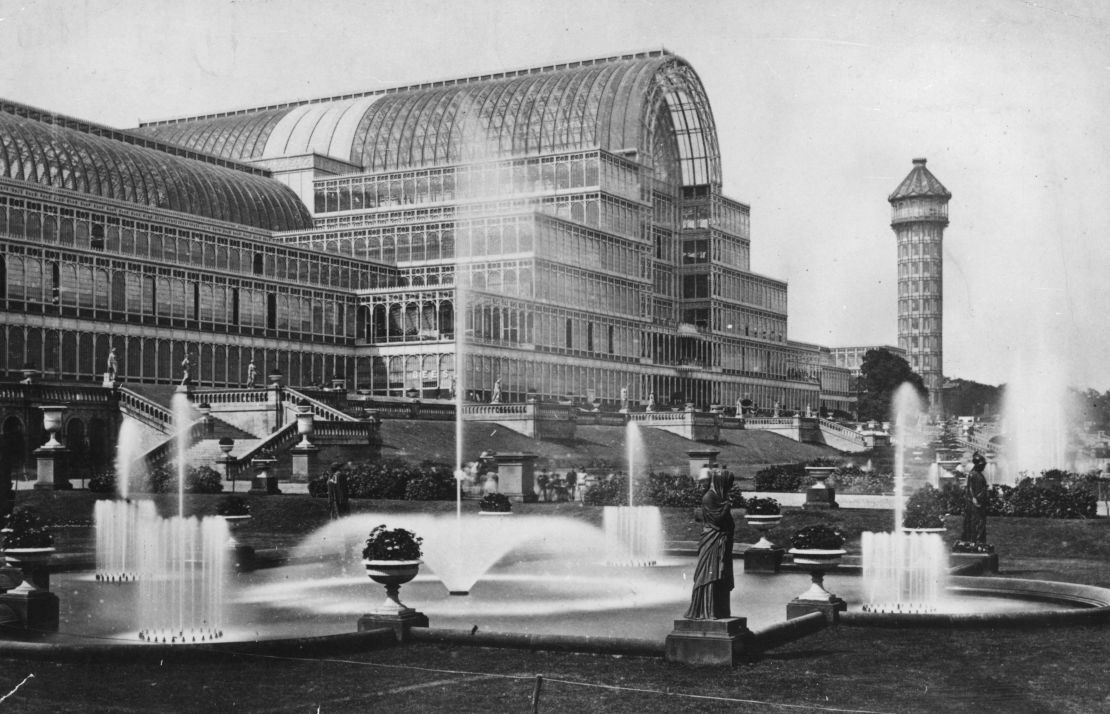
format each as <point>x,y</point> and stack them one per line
<point>305,425</point>
<point>33,564</point>
<point>52,423</point>
<point>392,574</point>
<point>817,562</point>
<point>763,523</point>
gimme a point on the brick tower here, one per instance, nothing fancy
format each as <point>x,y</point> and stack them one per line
<point>919,216</point>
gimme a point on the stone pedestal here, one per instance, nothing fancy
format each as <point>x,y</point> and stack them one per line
<point>700,458</point>
<point>265,481</point>
<point>51,471</point>
<point>37,611</point>
<point>831,608</point>
<point>304,462</point>
<point>699,642</point>
<point>400,623</point>
<point>820,495</point>
<point>516,476</point>
<point>763,560</point>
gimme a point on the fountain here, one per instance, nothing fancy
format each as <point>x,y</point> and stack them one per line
<point>179,563</point>
<point>1034,418</point>
<point>633,534</point>
<point>904,571</point>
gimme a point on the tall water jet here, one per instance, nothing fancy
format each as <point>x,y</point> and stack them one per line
<point>633,534</point>
<point>182,411</point>
<point>181,595</point>
<point>1034,417</point>
<point>122,529</point>
<point>904,572</point>
<point>129,448</point>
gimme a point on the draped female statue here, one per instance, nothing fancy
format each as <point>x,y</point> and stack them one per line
<point>713,579</point>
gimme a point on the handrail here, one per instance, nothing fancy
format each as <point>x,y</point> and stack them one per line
<point>232,396</point>
<point>146,410</point>
<point>158,455</point>
<point>842,431</point>
<point>325,412</point>
<point>283,436</point>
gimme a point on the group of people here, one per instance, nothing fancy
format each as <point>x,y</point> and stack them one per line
<point>553,487</point>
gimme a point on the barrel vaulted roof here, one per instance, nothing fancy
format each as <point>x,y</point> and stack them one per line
<point>611,103</point>
<point>62,152</point>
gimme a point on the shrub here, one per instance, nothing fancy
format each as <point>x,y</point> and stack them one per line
<point>318,486</point>
<point>160,480</point>
<point>495,503</point>
<point>383,479</point>
<point>395,544</point>
<point>608,492</point>
<point>666,489</point>
<point>27,530</point>
<point>103,482</point>
<point>233,506</point>
<point>763,507</point>
<point>817,537</point>
<point>203,479</point>
<point>782,477</point>
<point>924,509</point>
<point>435,483</point>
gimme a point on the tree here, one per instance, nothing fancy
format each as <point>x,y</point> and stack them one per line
<point>881,374</point>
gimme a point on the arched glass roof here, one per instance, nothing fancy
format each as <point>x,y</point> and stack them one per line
<point>34,147</point>
<point>608,103</point>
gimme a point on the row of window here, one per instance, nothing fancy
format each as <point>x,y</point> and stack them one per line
<point>40,224</point>
<point>83,356</point>
<point>919,249</point>
<point>47,282</point>
<point>917,287</point>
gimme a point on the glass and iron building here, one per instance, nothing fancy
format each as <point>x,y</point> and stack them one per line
<point>559,229</point>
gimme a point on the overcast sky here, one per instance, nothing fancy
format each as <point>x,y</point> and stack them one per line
<point>820,108</point>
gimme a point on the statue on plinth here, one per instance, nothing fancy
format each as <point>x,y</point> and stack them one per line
<point>713,577</point>
<point>113,365</point>
<point>496,393</point>
<point>976,499</point>
<point>186,365</point>
<point>624,398</point>
<point>252,374</point>
<point>651,402</point>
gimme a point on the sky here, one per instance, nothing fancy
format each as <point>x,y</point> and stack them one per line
<point>820,108</point>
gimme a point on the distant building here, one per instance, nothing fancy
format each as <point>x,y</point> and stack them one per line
<point>851,358</point>
<point>919,217</point>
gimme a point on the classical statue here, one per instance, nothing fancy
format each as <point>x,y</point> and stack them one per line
<point>252,374</point>
<point>624,398</point>
<point>713,579</point>
<point>496,393</point>
<point>113,364</point>
<point>185,367</point>
<point>651,402</point>
<point>976,496</point>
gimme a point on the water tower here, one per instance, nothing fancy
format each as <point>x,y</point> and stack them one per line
<point>919,216</point>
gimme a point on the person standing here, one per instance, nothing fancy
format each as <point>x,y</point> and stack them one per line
<point>976,499</point>
<point>713,575</point>
<point>542,481</point>
<point>339,503</point>
<point>571,479</point>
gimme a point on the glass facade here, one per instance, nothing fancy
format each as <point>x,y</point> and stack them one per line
<point>565,223</point>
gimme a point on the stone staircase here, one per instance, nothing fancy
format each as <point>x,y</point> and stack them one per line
<point>207,452</point>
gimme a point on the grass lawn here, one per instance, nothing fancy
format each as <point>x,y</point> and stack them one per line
<point>838,669</point>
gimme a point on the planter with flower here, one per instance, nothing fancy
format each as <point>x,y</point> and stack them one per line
<point>29,545</point>
<point>392,558</point>
<point>495,504</point>
<point>763,514</point>
<point>924,512</point>
<point>817,548</point>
